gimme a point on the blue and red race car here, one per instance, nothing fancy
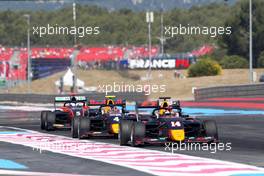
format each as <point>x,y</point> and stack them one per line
<point>103,118</point>
<point>163,121</point>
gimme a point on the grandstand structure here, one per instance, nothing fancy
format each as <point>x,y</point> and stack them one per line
<point>49,60</point>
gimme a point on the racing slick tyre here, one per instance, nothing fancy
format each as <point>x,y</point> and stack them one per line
<point>125,127</point>
<point>83,127</point>
<point>74,127</point>
<point>137,134</point>
<point>210,129</point>
<point>43,117</point>
<point>50,120</point>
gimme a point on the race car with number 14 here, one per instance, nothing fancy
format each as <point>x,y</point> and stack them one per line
<point>163,121</point>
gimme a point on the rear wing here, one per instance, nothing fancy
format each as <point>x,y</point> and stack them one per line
<point>64,99</point>
<point>172,103</point>
<point>117,102</point>
<point>158,103</point>
<point>164,98</point>
<point>147,104</point>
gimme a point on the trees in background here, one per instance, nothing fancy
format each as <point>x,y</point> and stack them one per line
<point>229,62</point>
<point>122,27</point>
<point>238,42</point>
<point>126,27</point>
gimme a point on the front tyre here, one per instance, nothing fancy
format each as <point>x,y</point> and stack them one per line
<point>137,134</point>
<point>50,120</point>
<point>74,127</point>
<point>83,127</point>
<point>125,127</point>
<point>210,129</point>
<point>43,118</point>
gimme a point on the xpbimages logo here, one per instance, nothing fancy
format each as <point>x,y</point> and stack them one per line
<point>147,89</point>
<point>79,31</point>
<point>212,31</point>
<point>210,147</point>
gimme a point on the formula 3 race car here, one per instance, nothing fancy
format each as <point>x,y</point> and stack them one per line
<point>165,123</point>
<point>103,118</point>
<point>62,117</point>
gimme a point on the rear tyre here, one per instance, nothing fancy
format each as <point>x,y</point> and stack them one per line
<point>43,117</point>
<point>74,127</point>
<point>50,120</point>
<point>137,133</point>
<point>125,128</point>
<point>210,129</point>
<point>83,127</point>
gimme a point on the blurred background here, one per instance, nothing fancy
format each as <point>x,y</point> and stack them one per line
<point>33,64</point>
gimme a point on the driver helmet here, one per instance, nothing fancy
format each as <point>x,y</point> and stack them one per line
<point>109,106</point>
<point>164,107</point>
<point>110,102</point>
<point>73,99</point>
<point>165,104</point>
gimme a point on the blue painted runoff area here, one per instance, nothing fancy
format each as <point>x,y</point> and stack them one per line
<point>8,164</point>
<point>215,112</point>
<point>249,174</point>
<point>208,111</point>
<point>13,132</point>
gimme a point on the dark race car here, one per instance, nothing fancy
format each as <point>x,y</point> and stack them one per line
<point>103,118</point>
<point>165,123</point>
<point>70,107</point>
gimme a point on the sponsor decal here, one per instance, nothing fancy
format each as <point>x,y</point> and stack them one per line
<point>158,63</point>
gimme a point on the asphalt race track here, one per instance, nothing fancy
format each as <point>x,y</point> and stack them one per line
<point>244,132</point>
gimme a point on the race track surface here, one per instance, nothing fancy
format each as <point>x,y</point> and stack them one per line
<point>244,132</point>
